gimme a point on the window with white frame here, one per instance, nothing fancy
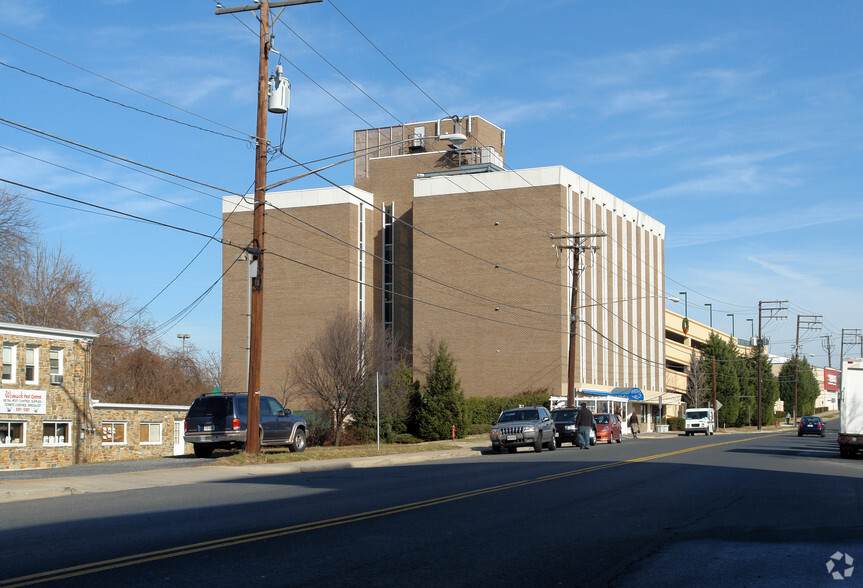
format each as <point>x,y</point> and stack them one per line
<point>9,362</point>
<point>151,433</point>
<point>12,433</point>
<point>56,361</point>
<point>113,433</point>
<point>31,365</point>
<point>56,433</point>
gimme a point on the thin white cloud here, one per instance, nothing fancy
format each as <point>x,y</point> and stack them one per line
<point>773,221</point>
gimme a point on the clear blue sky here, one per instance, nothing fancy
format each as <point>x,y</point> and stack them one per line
<point>736,124</point>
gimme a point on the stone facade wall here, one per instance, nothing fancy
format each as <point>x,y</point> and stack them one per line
<point>126,423</point>
<point>55,425</point>
<point>64,405</point>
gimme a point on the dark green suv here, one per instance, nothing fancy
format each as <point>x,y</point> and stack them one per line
<point>219,422</point>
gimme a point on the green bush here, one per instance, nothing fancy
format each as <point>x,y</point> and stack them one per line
<point>407,438</point>
<point>484,411</point>
<point>676,423</point>
<point>479,429</point>
<point>442,405</point>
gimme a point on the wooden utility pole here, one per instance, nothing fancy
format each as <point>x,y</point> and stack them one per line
<point>771,308</point>
<point>577,244</point>
<point>253,439</point>
<point>809,321</point>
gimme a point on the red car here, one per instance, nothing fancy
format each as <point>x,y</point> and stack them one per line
<point>607,427</point>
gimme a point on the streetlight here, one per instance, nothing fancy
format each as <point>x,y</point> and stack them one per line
<point>710,306</point>
<point>685,305</point>
<point>183,336</point>
<point>731,314</point>
<point>751,329</point>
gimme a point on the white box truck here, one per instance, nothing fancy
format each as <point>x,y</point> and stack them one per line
<point>851,407</point>
<point>699,420</point>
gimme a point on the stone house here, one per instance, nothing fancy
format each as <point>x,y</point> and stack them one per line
<point>48,417</point>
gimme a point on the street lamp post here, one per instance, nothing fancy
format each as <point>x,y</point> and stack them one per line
<point>731,314</point>
<point>685,305</point>
<point>751,328</point>
<point>710,306</point>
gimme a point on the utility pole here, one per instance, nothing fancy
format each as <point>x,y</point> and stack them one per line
<point>577,243</point>
<point>771,309</point>
<point>253,439</point>
<point>715,412</point>
<point>850,337</point>
<point>828,347</point>
<point>809,322</point>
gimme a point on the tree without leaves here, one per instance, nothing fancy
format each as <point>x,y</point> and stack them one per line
<point>332,369</point>
<point>696,381</point>
<point>42,286</point>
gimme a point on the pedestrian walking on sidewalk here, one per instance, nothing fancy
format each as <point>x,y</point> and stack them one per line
<point>633,425</point>
<point>584,422</point>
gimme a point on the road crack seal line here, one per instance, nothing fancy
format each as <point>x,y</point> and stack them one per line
<point>131,560</point>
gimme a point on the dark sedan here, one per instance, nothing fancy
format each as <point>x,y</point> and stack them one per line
<point>810,425</point>
<point>565,429</point>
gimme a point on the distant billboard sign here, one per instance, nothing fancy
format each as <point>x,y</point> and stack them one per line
<point>831,380</point>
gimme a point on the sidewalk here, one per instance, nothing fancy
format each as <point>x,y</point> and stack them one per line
<point>49,487</point>
<point>53,486</point>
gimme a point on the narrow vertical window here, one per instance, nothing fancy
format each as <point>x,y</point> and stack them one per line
<point>389,263</point>
<point>56,361</point>
<point>8,362</point>
<point>31,365</point>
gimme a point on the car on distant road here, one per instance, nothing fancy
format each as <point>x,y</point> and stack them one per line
<point>607,427</point>
<point>218,421</point>
<point>811,425</point>
<point>525,426</point>
<point>564,424</point>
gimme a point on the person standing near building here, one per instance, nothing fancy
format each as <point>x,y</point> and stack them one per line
<point>584,422</point>
<point>633,425</point>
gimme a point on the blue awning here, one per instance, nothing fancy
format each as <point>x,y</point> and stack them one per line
<point>630,393</point>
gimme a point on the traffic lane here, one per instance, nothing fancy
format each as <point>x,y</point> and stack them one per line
<point>535,473</point>
<point>604,525</point>
<point>195,513</point>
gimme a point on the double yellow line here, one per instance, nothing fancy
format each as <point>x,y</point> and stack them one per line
<point>131,560</point>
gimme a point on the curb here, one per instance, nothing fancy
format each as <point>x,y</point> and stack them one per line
<point>20,490</point>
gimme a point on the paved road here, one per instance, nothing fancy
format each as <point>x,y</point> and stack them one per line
<point>741,510</point>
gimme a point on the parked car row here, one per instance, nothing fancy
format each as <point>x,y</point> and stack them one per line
<point>535,426</point>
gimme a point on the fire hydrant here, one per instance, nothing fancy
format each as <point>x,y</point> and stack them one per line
<point>453,432</point>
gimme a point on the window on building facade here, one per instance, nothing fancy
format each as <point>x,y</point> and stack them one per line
<point>151,433</point>
<point>9,362</point>
<point>12,433</point>
<point>113,433</point>
<point>31,365</point>
<point>56,433</point>
<point>389,263</point>
<point>56,361</point>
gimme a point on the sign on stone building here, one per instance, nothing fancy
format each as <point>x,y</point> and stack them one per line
<point>22,401</point>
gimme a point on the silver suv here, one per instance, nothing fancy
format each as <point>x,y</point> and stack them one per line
<point>219,422</point>
<point>525,426</point>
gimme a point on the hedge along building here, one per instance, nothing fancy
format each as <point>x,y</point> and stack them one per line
<point>437,240</point>
<point>48,417</point>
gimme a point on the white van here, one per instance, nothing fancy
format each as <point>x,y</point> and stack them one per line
<point>700,420</point>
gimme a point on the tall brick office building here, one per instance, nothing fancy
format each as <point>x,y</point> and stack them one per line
<point>438,240</point>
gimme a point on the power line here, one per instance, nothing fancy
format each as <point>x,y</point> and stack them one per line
<point>122,105</point>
